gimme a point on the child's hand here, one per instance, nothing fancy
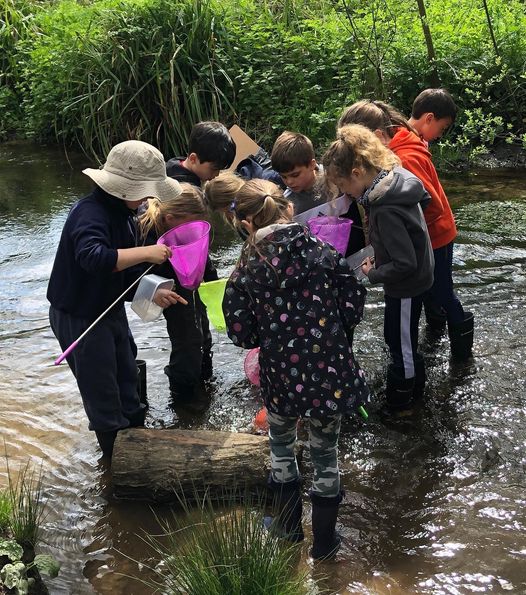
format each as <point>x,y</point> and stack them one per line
<point>164,298</point>
<point>157,254</point>
<point>367,265</point>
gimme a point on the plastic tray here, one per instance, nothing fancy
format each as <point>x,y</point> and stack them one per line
<point>143,304</point>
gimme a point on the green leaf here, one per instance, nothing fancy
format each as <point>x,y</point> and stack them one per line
<point>47,565</point>
<point>13,574</point>
<point>11,549</point>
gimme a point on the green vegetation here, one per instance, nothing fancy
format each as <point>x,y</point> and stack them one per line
<point>21,515</point>
<point>94,72</point>
<point>223,551</point>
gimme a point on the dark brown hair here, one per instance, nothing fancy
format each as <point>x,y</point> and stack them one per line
<point>290,150</point>
<point>435,101</point>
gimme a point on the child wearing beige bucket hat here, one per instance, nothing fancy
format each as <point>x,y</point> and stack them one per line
<point>96,260</point>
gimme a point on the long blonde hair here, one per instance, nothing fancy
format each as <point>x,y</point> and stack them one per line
<point>357,146</point>
<point>187,206</point>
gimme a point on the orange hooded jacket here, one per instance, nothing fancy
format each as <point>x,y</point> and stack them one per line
<point>416,158</point>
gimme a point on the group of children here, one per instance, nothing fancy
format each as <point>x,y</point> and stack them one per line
<point>292,295</point>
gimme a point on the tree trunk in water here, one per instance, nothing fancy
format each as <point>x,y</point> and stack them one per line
<point>165,465</point>
<point>434,78</point>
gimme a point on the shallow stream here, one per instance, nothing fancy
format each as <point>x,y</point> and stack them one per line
<point>432,506</point>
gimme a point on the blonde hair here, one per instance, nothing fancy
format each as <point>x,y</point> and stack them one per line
<point>375,115</point>
<point>187,206</point>
<point>221,191</point>
<point>357,146</point>
<point>262,201</point>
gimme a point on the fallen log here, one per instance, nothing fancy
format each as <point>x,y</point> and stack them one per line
<point>163,465</point>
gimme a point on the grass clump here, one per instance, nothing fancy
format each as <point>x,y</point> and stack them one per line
<point>22,511</point>
<point>225,551</point>
<point>24,506</point>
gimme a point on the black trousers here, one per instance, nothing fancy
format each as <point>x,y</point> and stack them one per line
<point>189,331</point>
<point>401,317</point>
<point>103,364</point>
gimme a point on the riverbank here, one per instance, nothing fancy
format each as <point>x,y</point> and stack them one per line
<point>82,73</point>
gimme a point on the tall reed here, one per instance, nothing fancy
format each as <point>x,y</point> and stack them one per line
<point>5,511</point>
<point>156,72</point>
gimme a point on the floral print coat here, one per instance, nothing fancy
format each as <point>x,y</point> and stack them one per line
<point>296,298</point>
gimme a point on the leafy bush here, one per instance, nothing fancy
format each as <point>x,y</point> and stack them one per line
<point>94,73</point>
<point>125,69</point>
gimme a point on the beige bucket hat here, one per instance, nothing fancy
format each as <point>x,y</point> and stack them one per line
<point>135,170</point>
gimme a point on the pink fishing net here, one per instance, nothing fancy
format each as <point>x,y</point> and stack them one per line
<point>333,230</point>
<point>189,245</point>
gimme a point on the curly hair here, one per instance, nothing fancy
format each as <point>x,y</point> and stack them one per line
<point>357,146</point>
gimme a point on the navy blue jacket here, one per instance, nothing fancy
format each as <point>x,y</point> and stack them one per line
<point>83,280</point>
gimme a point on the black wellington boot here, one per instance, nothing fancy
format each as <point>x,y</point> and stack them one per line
<point>420,381</point>
<point>326,540</point>
<point>106,441</point>
<point>399,393</point>
<point>461,337</point>
<point>207,369</point>
<point>191,398</point>
<point>289,507</point>
<point>141,381</point>
<point>137,419</point>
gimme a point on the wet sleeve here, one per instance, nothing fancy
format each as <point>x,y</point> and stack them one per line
<point>241,323</point>
<point>399,247</point>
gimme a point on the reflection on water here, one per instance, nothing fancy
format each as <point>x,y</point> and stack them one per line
<point>432,506</point>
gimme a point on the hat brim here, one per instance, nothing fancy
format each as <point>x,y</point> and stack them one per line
<point>131,190</point>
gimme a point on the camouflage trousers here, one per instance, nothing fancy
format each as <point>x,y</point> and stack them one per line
<point>323,443</point>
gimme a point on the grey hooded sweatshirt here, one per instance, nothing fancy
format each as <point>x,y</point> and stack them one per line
<point>398,233</point>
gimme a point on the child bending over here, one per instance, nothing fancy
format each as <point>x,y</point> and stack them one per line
<point>187,342</point>
<point>97,259</point>
<point>359,164</point>
<point>296,298</point>
<point>395,132</point>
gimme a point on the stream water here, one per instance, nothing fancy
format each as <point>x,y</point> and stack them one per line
<point>433,506</point>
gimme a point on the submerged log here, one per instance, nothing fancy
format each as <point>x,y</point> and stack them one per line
<point>162,465</point>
